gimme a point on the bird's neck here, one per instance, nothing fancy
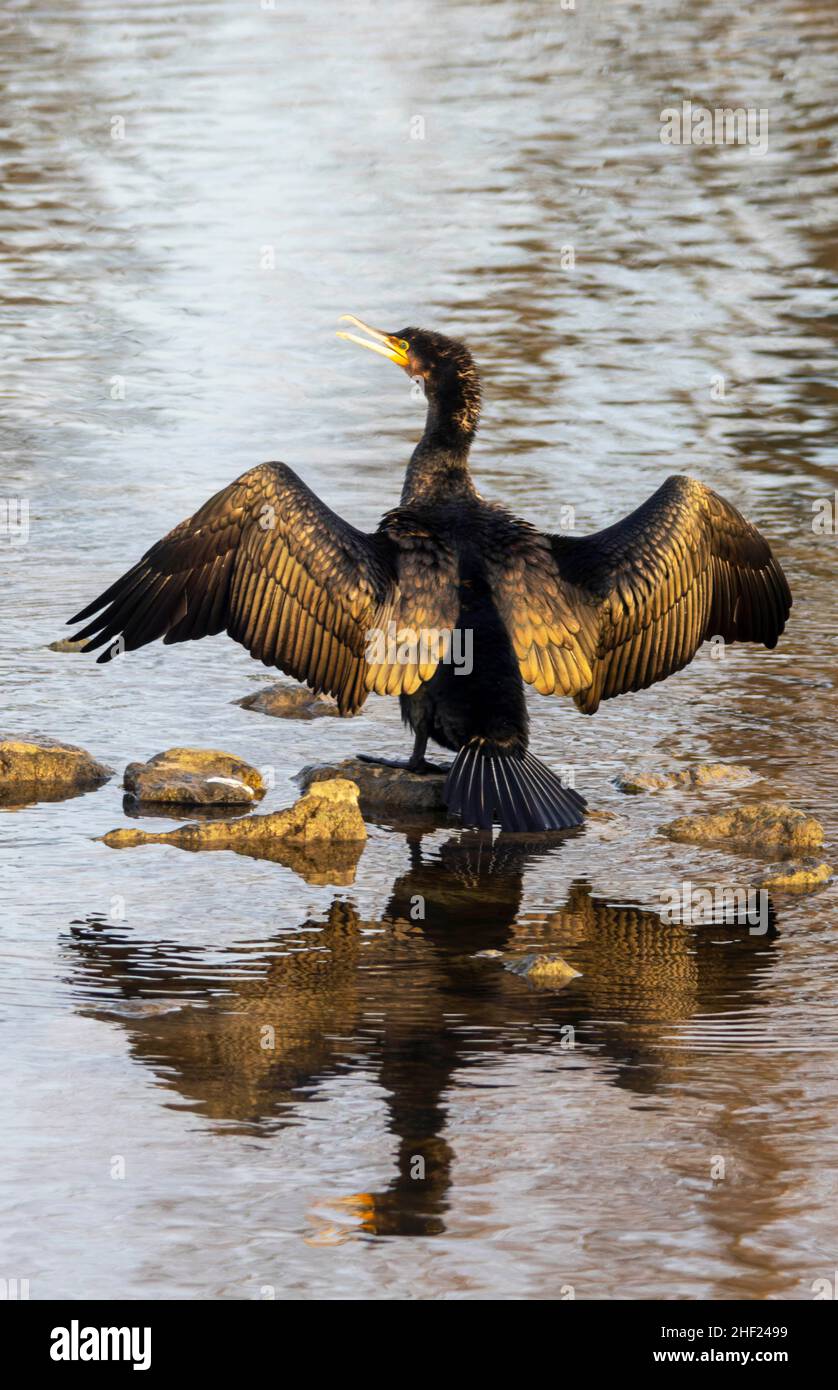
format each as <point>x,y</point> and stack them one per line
<point>438,470</point>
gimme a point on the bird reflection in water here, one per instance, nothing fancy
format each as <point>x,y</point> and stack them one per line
<point>409,1000</point>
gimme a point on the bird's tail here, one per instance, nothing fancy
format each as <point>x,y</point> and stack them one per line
<point>486,784</point>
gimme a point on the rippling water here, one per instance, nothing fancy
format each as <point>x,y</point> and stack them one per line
<point>193,193</point>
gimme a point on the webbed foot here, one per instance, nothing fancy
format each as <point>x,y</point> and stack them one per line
<point>425,767</point>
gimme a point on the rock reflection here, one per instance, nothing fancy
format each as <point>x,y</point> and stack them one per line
<point>406,999</point>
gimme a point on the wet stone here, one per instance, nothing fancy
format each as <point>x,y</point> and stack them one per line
<point>767,825</point>
<point>382,788</point>
<point>687,779</point>
<point>195,777</point>
<point>66,644</point>
<point>544,971</point>
<point>284,701</point>
<point>321,836</point>
<point>36,768</point>
<point>801,876</point>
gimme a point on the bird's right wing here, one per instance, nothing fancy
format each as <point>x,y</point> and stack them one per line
<point>552,625</point>
<point>288,578</point>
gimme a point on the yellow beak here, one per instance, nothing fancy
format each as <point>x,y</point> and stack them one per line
<point>396,349</point>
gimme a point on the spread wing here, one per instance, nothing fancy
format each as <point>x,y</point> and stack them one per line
<point>646,592</point>
<point>269,563</point>
<point>552,625</point>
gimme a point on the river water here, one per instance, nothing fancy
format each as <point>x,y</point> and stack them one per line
<point>193,193</point>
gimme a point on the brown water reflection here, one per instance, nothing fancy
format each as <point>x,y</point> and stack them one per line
<point>247,1052</point>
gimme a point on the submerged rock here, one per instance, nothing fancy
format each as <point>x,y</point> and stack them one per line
<point>285,701</point>
<point>545,971</point>
<point>34,768</point>
<point>381,788</point>
<point>195,777</point>
<point>66,644</point>
<point>706,775</point>
<point>764,825</point>
<point>321,836</point>
<point>606,825</point>
<point>135,1008</point>
<point>801,877</point>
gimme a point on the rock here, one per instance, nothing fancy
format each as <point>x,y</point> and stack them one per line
<point>706,775</point>
<point>381,788</point>
<point>137,1008</point>
<point>328,811</point>
<point>545,971</point>
<point>801,877</point>
<point>66,644</point>
<point>321,836</point>
<point>763,825</point>
<point>606,825</point>
<point>195,777</point>
<point>45,769</point>
<point>285,701</point>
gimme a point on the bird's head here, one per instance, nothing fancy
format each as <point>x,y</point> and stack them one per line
<point>444,366</point>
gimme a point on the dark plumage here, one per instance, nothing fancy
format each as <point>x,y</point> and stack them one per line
<point>591,617</point>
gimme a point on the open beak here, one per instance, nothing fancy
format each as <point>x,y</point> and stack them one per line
<point>384,343</point>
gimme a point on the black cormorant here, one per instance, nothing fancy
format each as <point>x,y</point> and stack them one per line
<point>349,612</point>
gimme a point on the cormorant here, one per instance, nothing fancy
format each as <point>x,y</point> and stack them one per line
<point>349,612</point>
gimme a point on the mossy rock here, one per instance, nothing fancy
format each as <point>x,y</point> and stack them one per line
<point>803,876</point>
<point>544,971</point>
<point>766,825</point>
<point>321,836</point>
<point>36,768</point>
<point>687,779</point>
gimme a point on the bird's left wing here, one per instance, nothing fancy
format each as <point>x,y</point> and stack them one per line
<point>287,577</point>
<point>644,593</point>
<point>683,567</point>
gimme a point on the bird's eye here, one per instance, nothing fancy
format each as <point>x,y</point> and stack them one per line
<point>403,344</point>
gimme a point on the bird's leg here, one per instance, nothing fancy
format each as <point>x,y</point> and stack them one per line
<point>417,762</point>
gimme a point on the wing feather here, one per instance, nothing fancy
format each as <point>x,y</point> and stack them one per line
<point>551,625</point>
<point>291,581</point>
<point>596,616</point>
<point>685,566</point>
